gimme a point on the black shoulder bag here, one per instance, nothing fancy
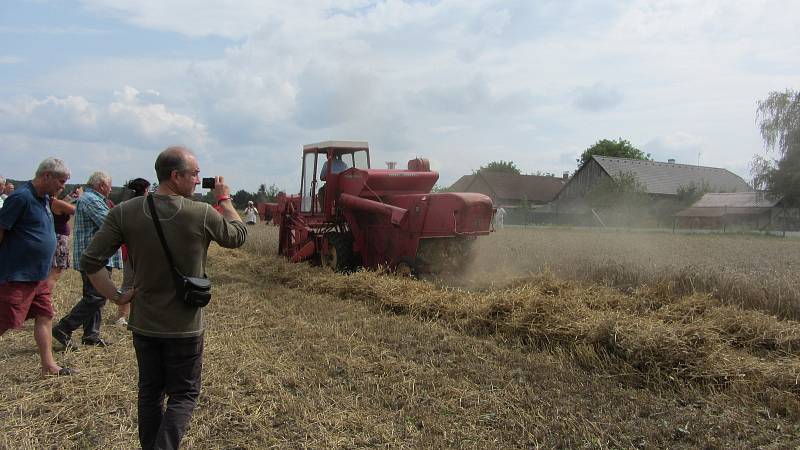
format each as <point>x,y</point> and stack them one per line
<point>194,291</point>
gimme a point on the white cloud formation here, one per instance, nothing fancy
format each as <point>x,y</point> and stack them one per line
<point>460,82</point>
<point>126,120</point>
<point>598,97</point>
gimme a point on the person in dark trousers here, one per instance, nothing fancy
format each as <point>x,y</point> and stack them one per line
<point>90,213</point>
<point>167,333</point>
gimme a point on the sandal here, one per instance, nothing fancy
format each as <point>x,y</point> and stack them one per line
<point>63,372</point>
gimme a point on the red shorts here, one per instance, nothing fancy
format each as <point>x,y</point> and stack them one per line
<point>23,300</point>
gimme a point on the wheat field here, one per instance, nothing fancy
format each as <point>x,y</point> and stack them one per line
<point>543,343</point>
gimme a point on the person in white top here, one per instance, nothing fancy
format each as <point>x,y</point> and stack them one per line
<point>498,217</point>
<point>250,214</point>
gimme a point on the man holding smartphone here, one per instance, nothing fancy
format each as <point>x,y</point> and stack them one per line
<point>167,333</point>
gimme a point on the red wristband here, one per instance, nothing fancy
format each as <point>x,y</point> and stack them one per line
<point>222,199</point>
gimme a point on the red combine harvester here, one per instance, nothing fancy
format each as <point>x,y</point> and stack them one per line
<point>377,217</point>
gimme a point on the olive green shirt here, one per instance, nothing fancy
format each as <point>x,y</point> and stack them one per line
<point>189,227</point>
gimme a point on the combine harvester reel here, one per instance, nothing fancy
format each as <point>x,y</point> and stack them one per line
<point>349,215</point>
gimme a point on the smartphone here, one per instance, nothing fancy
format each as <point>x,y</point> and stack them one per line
<point>208,183</point>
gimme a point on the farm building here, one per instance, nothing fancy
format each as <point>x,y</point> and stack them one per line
<point>739,210</point>
<point>661,182</point>
<point>511,191</point>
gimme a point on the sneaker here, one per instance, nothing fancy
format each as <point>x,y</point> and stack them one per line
<point>64,339</point>
<point>121,322</point>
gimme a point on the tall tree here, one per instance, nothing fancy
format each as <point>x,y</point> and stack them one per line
<point>778,118</point>
<point>501,166</point>
<point>241,197</point>
<point>619,149</point>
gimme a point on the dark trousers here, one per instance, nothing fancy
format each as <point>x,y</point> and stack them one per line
<point>171,367</point>
<point>87,312</point>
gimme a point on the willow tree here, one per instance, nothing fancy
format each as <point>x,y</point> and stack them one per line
<point>778,172</point>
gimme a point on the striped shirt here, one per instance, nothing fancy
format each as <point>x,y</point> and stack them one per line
<point>90,213</point>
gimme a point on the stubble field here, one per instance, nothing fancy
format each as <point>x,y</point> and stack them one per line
<point>554,338</point>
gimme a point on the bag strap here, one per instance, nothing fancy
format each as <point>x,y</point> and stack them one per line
<point>154,215</point>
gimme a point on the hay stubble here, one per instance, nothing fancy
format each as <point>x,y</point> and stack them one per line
<point>300,358</point>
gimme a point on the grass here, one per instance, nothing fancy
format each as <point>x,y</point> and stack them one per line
<point>297,357</point>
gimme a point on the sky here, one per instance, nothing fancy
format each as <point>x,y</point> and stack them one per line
<point>108,84</point>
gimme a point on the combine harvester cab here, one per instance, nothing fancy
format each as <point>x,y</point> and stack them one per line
<point>377,217</point>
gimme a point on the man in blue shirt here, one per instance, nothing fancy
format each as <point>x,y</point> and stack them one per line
<point>337,166</point>
<point>27,245</point>
<point>90,213</point>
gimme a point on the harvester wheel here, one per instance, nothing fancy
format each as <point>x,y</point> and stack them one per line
<point>340,252</point>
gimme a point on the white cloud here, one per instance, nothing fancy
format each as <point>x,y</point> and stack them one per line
<point>126,120</point>
<point>684,147</point>
<point>597,97</point>
<point>151,122</point>
<point>459,82</point>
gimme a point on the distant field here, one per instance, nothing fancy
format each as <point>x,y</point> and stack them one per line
<point>754,272</point>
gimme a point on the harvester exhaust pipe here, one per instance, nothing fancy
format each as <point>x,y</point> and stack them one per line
<point>395,214</point>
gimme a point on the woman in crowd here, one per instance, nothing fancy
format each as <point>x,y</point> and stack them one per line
<point>62,210</point>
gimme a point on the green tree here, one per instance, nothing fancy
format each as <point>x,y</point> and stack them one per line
<point>622,192</point>
<point>210,198</point>
<point>241,197</point>
<point>778,118</point>
<point>692,192</point>
<point>501,166</point>
<point>272,192</point>
<point>618,149</point>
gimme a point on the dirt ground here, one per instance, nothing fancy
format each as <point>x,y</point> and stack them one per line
<point>298,358</point>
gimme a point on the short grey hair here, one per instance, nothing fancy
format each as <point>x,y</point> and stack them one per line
<point>173,158</point>
<point>98,177</point>
<point>54,166</point>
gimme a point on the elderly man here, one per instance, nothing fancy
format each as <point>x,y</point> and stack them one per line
<point>8,189</point>
<point>167,332</point>
<point>27,245</point>
<point>90,213</point>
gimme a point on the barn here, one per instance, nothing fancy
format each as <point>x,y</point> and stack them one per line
<point>517,194</point>
<point>661,182</point>
<point>740,210</point>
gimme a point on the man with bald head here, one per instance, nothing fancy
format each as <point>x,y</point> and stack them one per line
<point>167,332</point>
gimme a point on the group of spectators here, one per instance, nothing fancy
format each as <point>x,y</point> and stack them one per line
<point>167,332</point>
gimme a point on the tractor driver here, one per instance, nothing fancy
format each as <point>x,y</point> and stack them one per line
<point>337,166</point>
